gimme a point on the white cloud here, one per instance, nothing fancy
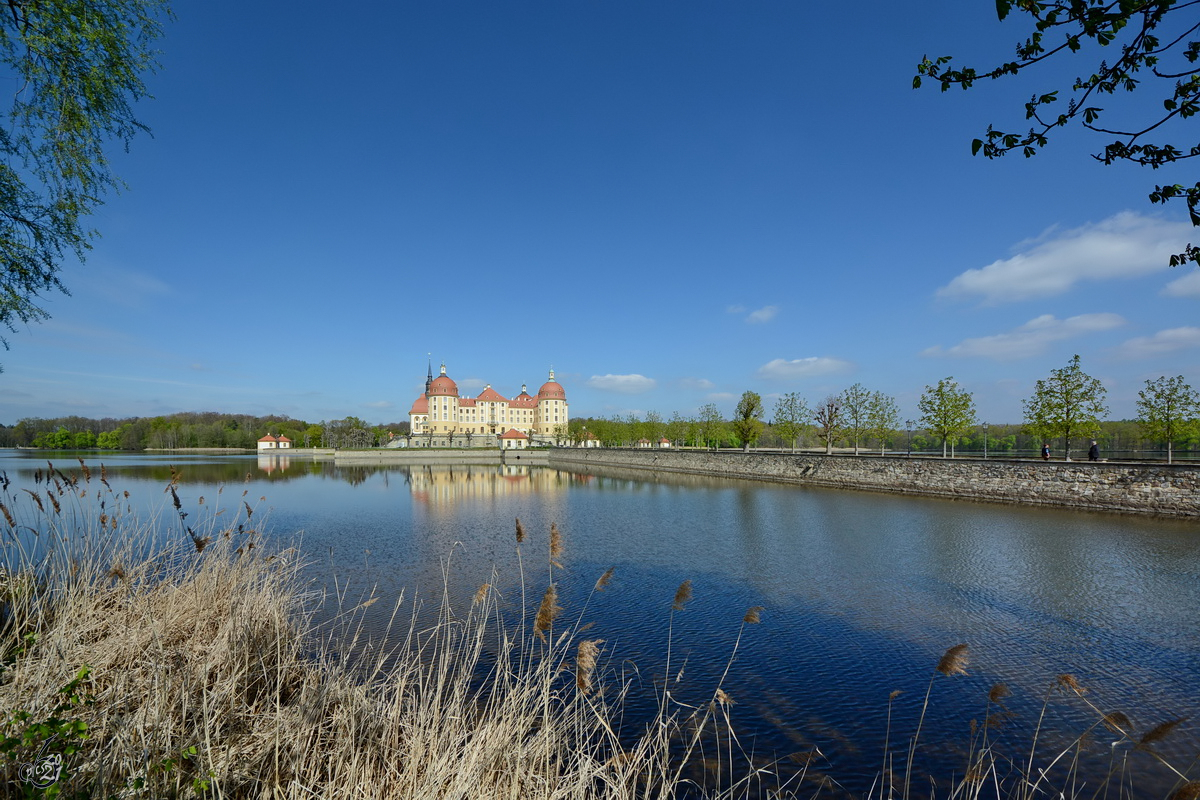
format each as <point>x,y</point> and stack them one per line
<point>703,384</point>
<point>1166,341</point>
<point>1123,246</point>
<point>1187,286</point>
<point>624,384</point>
<point>803,368</point>
<point>764,314</point>
<point>380,404</point>
<point>721,397</point>
<point>1029,339</point>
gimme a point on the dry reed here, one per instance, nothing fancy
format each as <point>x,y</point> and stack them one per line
<point>207,676</point>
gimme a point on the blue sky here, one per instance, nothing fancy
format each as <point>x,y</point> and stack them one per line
<point>670,203</point>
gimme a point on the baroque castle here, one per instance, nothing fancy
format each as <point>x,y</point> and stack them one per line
<point>440,412</point>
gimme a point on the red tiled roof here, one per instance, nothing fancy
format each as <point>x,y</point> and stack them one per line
<point>267,438</point>
<point>420,405</point>
<point>490,395</point>
<point>523,400</point>
<point>282,438</point>
<point>466,402</point>
<point>442,385</point>
<point>551,390</point>
<point>513,433</point>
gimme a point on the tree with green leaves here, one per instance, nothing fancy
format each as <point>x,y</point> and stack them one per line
<point>677,428</point>
<point>77,66</point>
<point>883,418</point>
<point>855,403</point>
<point>1168,409</point>
<point>711,424</point>
<point>1146,46</point>
<point>947,411</point>
<point>1068,403</point>
<point>747,419</point>
<point>828,416</point>
<point>791,417</point>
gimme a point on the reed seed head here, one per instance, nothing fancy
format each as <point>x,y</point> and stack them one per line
<point>753,615</point>
<point>1189,791</point>
<point>1117,722</point>
<point>37,500</point>
<point>547,612</point>
<point>8,516</point>
<point>520,531</point>
<point>602,581</point>
<point>998,693</point>
<point>585,663</point>
<point>1067,681</point>
<point>556,546</point>
<point>894,694</point>
<point>1160,732</point>
<point>954,661</point>
<point>723,698</point>
<point>682,595</point>
<point>481,593</point>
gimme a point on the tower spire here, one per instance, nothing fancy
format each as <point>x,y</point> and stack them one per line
<point>429,376</point>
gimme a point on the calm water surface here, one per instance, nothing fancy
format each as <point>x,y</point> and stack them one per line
<point>862,593</point>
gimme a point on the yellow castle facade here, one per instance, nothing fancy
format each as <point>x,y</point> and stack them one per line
<point>441,411</point>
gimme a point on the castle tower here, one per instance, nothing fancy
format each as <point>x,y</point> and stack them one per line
<point>551,407</point>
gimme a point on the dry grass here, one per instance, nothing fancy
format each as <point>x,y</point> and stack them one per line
<point>207,676</point>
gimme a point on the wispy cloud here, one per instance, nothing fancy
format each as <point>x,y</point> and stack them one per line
<point>781,369</point>
<point>1030,339</point>
<point>380,404</point>
<point>623,384</point>
<point>1123,246</point>
<point>123,287</point>
<point>756,317</point>
<point>701,384</point>
<point>1165,341</point>
<point>1187,286</point>
<point>764,314</point>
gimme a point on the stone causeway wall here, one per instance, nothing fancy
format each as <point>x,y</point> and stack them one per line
<point>1170,490</point>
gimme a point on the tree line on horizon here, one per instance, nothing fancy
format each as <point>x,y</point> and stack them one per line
<point>192,429</point>
<point>1064,408</point>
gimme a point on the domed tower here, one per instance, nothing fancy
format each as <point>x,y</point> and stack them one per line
<point>551,407</point>
<point>443,403</point>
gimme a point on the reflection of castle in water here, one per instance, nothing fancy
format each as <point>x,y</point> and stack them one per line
<point>444,485</point>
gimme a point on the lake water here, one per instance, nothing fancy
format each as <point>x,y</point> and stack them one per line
<point>862,593</point>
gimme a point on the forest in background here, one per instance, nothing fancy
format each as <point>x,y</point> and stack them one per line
<point>242,431</point>
<point>192,429</point>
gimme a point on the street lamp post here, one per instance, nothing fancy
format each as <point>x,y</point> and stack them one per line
<point>985,438</point>
<point>908,425</point>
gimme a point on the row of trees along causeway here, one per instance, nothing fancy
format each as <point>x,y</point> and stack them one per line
<point>1066,407</point>
<point>207,429</point>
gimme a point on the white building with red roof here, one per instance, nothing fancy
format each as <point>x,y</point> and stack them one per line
<point>442,412</point>
<point>270,442</point>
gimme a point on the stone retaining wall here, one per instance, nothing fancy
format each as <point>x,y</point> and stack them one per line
<point>1171,490</point>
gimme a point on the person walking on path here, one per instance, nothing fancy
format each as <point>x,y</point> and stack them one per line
<point>1094,451</point>
<point>1046,451</point>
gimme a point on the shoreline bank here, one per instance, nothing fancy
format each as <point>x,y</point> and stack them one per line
<point>1162,490</point>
